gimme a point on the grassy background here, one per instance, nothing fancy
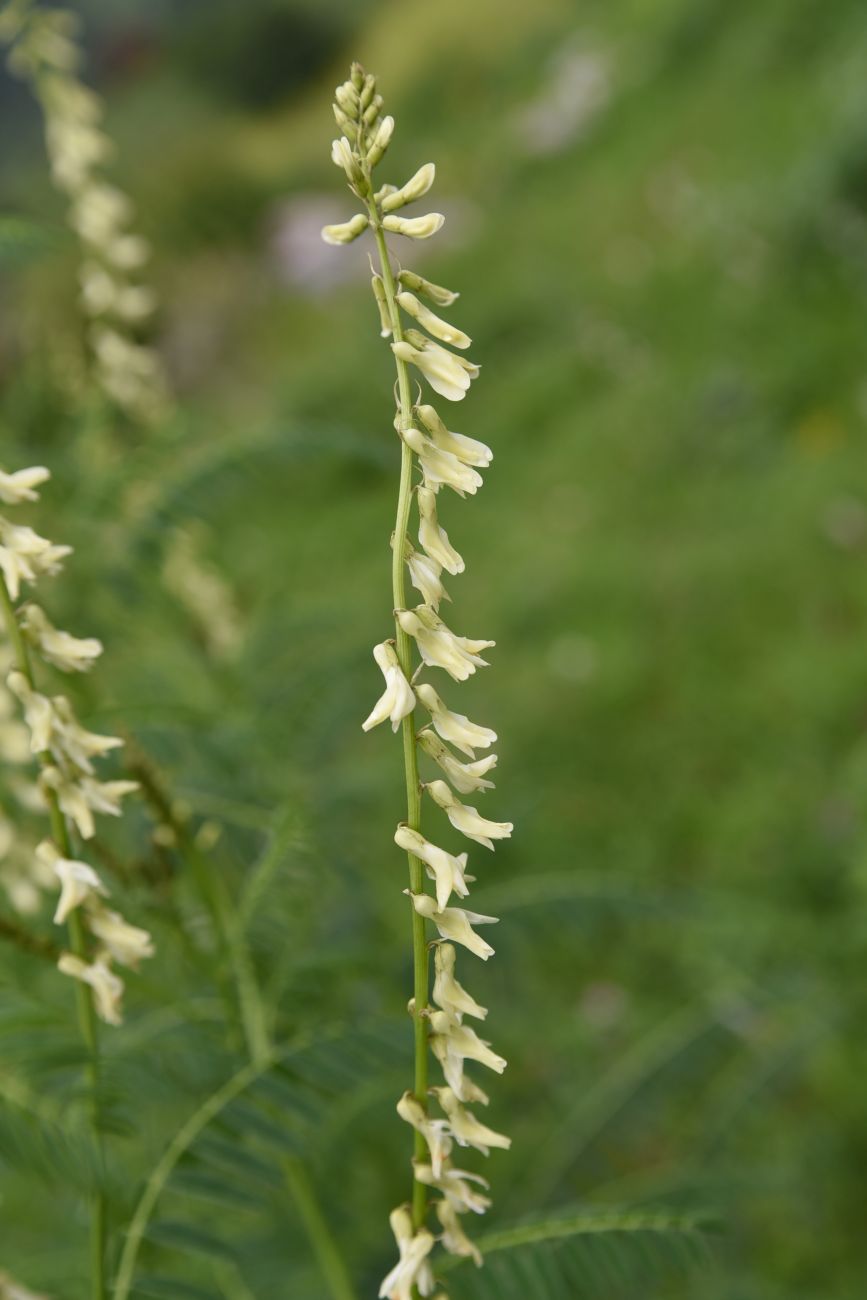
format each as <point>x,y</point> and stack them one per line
<point>667,299</point>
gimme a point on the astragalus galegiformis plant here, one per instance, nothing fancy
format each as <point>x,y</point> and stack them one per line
<point>43,50</point>
<point>432,458</point>
<point>71,795</point>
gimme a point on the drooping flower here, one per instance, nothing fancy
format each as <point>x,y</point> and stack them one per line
<point>433,539</point>
<point>444,868</point>
<point>18,486</point>
<point>466,1129</point>
<point>127,944</point>
<point>107,987</point>
<point>25,556</point>
<point>441,467</point>
<point>453,1043</point>
<point>456,924</point>
<point>455,727</point>
<point>435,325</point>
<point>454,1238</point>
<point>79,882</point>
<point>455,1184</point>
<point>469,450</point>
<point>71,654</point>
<point>465,819</point>
<point>425,575</point>
<point>434,1131</point>
<point>448,994</point>
<point>439,646</point>
<point>412,1269</point>
<point>397,700</point>
<point>465,777</point>
<point>441,368</point>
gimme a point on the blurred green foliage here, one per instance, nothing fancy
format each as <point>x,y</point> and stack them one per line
<point>658,219</point>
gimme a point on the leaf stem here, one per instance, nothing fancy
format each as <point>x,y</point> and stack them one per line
<point>84,1001</point>
<point>330,1261</point>
<point>410,758</point>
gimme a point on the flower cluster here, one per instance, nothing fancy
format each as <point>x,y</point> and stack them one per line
<point>69,787</point>
<point>44,52</point>
<point>440,459</point>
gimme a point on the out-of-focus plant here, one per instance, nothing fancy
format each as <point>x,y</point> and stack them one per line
<point>43,50</point>
<point>99,937</point>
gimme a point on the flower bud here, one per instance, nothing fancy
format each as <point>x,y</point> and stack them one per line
<point>346,231</point>
<point>417,186</point>
<point>433,292</point>
<point>382,303</point>
<point>434,324</point>
<point>415,227</point>
<point>384,132</point>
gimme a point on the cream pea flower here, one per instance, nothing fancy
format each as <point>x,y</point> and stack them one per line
<point>127,944</point>
<point>440,368</point>
<point>25,556</point>
<point>444,868</point>
<point>397,700</point>
<point>434,1131</point>
<point>441,467</point>
<point>470,450</point>
<point>415,188</point>
<point>78,881</point>
<point>438,646</point>
<point>465,777</point>
<point>412,1269</point>
<point>107,987</point>
<point>346,231</point>
<point>71,654</point>
<point>456,924</point>
<point>454,1239</point>
<point>448,994</point>
<point>425,576</point>
<point>415,227</point>
<point>19,486</point>
<point>433,539</point>
<point>453,1043</point>
<point>434,293</point>
<point>455,1186</point>
<point>464,1126</point>
<point>455,727</point>
<point>435,325</point>
<point>38,712</point>
<point>466,819</point>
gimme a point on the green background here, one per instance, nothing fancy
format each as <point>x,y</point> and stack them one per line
<point>657,218</point>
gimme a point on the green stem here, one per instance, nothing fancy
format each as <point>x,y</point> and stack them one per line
<point>78,943</point>
<point>227,922</point>
<point>410,758</point>
<point>319,1234</point>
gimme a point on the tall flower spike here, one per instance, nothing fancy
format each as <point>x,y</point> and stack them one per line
<point>44,52</point>
<point>418,336</point>
<point>72,794</point>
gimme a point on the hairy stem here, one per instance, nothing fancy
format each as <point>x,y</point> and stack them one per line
<point>78,944</point>
<point>410,757</point>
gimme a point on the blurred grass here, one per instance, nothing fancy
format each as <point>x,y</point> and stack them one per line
<point>669,551</point>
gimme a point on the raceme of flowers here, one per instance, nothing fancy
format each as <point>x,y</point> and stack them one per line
<point>69,787</point>
<point>44,52</point>
<point>440,459</point>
